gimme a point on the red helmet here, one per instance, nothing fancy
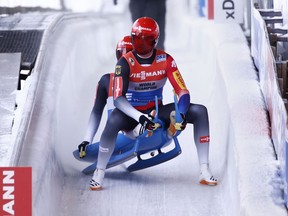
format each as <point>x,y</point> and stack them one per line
<point>145,34</point>
<point>123,46</point>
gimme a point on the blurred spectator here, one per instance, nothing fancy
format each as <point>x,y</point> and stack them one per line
<point>155,9</point>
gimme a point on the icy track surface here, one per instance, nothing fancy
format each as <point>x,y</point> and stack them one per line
<point>69,75</point>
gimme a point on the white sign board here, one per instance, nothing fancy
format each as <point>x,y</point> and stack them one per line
<point>226,11</point>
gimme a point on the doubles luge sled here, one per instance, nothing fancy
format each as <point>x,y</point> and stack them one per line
<point>127,148</point>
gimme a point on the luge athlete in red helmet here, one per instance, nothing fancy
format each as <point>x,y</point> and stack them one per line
<point>139,76</point>
<point>103,96</point>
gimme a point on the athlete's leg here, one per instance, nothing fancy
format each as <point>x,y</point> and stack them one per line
<point>197,115</point>
<point>117,121</point>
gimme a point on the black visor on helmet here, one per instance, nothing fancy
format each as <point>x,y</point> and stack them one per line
<point>143,44</point>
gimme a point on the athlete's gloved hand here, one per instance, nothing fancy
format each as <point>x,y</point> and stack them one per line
<point>176,126</point>
<point>180,126</point>
<point>147,123</point>
<point>82,149</point>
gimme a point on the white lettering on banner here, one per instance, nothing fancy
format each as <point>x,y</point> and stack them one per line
<point>228,7</point>
<point>228,11</point>
<point>8,190</point>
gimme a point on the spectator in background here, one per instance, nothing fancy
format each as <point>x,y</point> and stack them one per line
<point>155,9</point>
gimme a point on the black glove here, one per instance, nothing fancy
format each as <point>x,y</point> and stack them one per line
<point>180,126</point>
<point>82,149</point>
<point>147,124</point>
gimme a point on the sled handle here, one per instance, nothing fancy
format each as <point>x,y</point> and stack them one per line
<point>156,106</point>
<point>178,117</point>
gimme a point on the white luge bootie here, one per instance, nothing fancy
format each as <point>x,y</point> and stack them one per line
<point>97,180</point>
<point>206,176</point>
